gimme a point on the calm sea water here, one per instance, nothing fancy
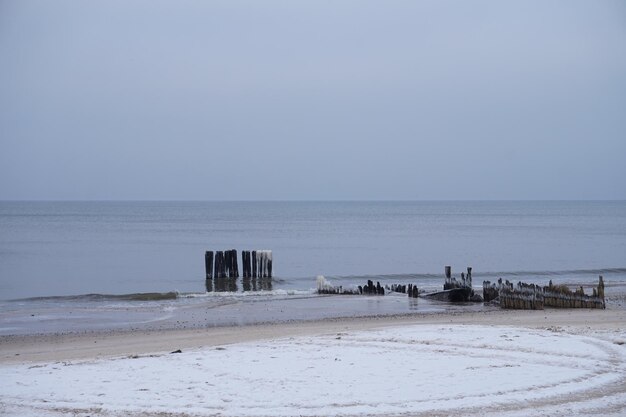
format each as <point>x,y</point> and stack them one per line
<point>72,248</point>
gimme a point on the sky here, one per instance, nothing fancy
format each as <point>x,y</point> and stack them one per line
<point>312,100</point>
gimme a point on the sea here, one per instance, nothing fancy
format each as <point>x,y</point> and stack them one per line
<point>120,265</point>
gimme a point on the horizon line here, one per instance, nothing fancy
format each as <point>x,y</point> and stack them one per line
<point>297,200</point>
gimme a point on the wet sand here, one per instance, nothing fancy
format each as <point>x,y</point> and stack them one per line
<point>607,324</point>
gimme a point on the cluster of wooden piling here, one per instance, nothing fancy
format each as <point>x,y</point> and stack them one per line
<point>409,289</point>
<point>492,291</point>
<point>452,283</point>
<point>325,287</point>
<point>522,297</point>
<point>338,290</point>
<point>257,263</point>
<point>564,298</point>
<point>223,267</point>
<point>371,289</point>
<point>534,297</point>
<point>225,264</point>
<point>413,291</point>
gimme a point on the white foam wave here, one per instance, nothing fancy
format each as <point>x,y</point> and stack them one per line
<point>273,293</point>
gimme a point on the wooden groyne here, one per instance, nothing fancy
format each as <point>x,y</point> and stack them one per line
<point>534,297</point>
<point>325,287</point>
<point>220,265</point>
<point>452,283</point>
<point>456,290</point>
<point>562,297</point>
<point>522,297</point>
<point>225,264</point>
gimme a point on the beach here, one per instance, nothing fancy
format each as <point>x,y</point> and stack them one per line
<point>314,209</point>
<point>493,362</point>
<point>96,297</point>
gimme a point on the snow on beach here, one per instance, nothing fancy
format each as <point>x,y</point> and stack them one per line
<point>447,369</point>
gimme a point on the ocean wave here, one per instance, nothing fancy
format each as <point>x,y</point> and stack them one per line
<point>278,292</point>
<point>142,296</point>
<point>164,296</point>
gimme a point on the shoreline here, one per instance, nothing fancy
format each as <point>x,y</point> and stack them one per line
<point>111,343</point>
<point>493,363</point>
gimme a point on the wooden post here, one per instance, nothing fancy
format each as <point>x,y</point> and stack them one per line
<point>226,264</point>
<point>601,288</point>
<point>254,264</point>
<point>208,264</point>
<point>264,260</point>
<point>245,263</point>
<point>222,264</point>
<point>218,264</point>
<point>235,268</point>
<point>249,263</point>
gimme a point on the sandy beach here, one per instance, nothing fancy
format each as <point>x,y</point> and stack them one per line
<point>107,344</point>
<point>551,362</point>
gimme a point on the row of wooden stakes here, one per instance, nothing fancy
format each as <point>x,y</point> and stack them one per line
<point>255,264</point>
<point>325,287</point>
<point>525,296</point>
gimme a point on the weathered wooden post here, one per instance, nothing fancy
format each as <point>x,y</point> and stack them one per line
<point>235,268</point>
<point>226,263</point>
<point>261,261</point>
<point>254,264</point>
<point>448,272</point>
<point>249,263</point>
<point>208,264</point>
<point>601,288</point>
<point>264,263</point>
<point>219,258</point>
<point>245,263</point>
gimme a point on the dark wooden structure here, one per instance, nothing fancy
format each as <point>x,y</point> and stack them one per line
<point>525,296</point>
<point>455,290</point>
<point>220,265</point>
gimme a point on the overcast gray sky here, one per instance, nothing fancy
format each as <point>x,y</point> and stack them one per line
<point>249,100</point>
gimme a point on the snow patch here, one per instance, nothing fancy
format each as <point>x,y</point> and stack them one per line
<point>410,370</point>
